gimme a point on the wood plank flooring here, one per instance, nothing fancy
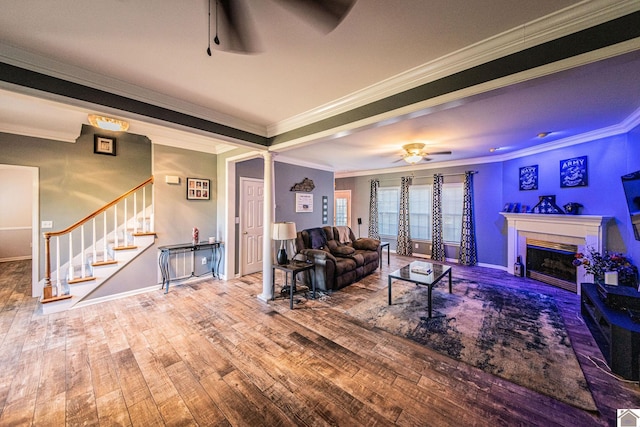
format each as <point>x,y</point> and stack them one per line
<point>210,353</point>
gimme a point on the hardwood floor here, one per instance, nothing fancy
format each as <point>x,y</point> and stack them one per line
<point>210,353</point>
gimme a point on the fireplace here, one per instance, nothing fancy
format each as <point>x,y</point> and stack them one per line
<point>579,232</point>
<point>552,263</point>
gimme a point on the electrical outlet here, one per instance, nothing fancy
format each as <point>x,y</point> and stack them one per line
<point>204,260</point>
<point>416,246</point>
<point>46,224</point>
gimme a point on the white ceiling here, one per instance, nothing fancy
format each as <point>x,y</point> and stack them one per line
<point>155,51</point>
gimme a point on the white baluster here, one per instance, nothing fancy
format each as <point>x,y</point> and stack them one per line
<point>135,212</point>
<point>71,272</point>
<point>57,259</point>
<point>125,233</point>
<point>104,238</point>
<point>115,225</point>
<point>82,259</point>
<point>93,245</point>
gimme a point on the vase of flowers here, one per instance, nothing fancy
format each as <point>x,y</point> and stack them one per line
<point>598,264</point>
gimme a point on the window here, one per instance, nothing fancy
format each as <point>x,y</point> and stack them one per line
<point>388,203</point>
<point>420,199</point>
<point>451,212</point>
<point>421,211</point>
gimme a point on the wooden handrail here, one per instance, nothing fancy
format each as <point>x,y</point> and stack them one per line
<point>98,212</point>
<point>49,234</point>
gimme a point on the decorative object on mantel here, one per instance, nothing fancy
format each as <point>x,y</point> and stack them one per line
<point>599,265</point>
<point>572,208</point>
<point>306,185</point>
<point>573,172</point>
<point>529,178</point>
<point>547,205</point>
<point>195,235</point>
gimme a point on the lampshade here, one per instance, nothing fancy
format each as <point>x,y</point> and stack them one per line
<point>108,123</point>
<point>412,158</point>
<point>284,231</point>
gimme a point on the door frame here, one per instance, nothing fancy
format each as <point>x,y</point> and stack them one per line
<point>240,230</point>
<point>347,194</point>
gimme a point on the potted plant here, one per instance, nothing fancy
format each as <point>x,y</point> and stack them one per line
<point>598,264</point>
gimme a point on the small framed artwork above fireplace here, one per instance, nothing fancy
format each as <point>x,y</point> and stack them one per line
<point>528,178</point>
<point>574,173</point>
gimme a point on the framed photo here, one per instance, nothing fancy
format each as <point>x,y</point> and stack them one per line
<point>304,202</point>
<point>104,145</point>
<point>198,189</point>
<point>573,172</point>
<point>528,178</point>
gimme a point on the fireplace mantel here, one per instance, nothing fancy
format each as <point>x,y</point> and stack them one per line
<point>585,231</point>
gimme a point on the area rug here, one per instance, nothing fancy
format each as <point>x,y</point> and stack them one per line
<point>515,334</point>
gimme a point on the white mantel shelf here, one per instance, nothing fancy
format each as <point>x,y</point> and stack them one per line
<point>585,231</point>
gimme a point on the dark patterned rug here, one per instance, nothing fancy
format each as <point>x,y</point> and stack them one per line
<point>515,334</point>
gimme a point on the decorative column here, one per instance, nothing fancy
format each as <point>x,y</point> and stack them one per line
<point>267,220</point>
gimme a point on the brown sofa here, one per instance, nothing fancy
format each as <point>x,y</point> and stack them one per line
<point>338,264</point>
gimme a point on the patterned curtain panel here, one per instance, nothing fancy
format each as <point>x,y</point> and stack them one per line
<point>404,236</point>
<point>468,254</point>
<point>437,249</point>
<point>373,210</point>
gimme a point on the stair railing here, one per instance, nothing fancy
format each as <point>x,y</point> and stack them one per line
<point>116,209</point>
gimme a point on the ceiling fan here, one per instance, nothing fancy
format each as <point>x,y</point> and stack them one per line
<point>235,31</point>
<point>414,153</point>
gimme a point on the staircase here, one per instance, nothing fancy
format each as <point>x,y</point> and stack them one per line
<point>86,254</point>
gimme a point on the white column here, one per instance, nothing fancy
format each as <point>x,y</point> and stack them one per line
<point>267,220</point>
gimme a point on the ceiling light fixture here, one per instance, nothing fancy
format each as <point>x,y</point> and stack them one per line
<point>543,134</point>
<point>414,153</point>
<point>108,123</point>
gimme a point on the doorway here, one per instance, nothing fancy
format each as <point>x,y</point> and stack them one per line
<point>342,207</point>
<point>19,225</point>
<point>251,225</point>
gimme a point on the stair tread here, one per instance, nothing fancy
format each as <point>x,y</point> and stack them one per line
<point>52,299</point>
<point>124,248</point>
<point>99,263</point>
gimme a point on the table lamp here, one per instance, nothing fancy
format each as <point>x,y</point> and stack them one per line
<point>283,231</point>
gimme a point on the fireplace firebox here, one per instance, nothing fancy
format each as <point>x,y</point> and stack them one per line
<point>552,263</point>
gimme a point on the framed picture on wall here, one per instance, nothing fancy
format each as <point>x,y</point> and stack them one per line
<point>573,172</point>
<point>198,189</point>
<point>528,178</point>
<point>104,145</point>
<point>304,202</point>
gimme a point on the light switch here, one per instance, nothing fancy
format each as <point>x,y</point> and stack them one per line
<point>46,224</point>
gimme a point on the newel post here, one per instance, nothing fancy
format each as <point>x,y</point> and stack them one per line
<point>47,290</point>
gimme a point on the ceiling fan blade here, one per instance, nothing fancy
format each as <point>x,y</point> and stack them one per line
<point>323,14</point>
<point>237,29</point>
<point>439,152</point>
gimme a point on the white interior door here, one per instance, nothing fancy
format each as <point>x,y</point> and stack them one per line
<point>251,226</point>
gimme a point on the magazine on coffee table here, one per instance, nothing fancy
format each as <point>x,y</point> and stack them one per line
<point>421,270</point>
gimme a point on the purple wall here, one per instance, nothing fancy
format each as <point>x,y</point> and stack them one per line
<point>608,159</point>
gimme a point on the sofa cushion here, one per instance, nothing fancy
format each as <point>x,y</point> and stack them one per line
<point>317,238</point>
<point>339,250</point>
<point>366,244</point>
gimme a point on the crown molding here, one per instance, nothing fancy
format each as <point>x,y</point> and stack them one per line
<point>22,58</point>
<point>626,126</point>
<point>558,24</point>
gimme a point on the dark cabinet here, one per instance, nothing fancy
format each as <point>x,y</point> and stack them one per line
<point>616,334</point>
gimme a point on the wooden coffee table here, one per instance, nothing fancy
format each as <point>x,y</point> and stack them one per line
<point>421,273</point>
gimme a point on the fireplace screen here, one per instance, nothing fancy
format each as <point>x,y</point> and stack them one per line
<point>551,261</point>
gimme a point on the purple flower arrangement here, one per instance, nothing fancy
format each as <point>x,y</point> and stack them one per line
<point>597,264</point>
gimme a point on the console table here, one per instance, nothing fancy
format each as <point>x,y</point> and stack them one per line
<point>616,334</point>
<point>166,251</point>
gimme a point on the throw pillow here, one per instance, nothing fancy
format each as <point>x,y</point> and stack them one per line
<point>317,237</point>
